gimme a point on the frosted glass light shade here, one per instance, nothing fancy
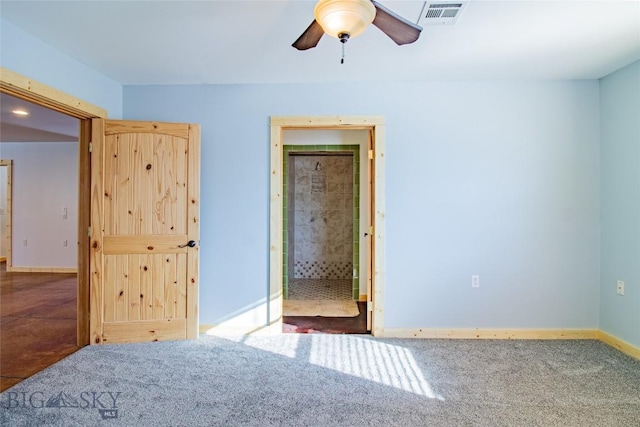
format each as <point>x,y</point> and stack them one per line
<point>344,16</point>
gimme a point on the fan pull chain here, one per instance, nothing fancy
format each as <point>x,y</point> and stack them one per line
<point>344,38</point>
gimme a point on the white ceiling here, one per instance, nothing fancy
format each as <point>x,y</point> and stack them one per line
<point>194,42</point>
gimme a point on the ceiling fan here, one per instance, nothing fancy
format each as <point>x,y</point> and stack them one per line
<point>344,19</point>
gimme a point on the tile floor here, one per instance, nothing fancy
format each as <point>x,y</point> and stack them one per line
<point>319,289</point>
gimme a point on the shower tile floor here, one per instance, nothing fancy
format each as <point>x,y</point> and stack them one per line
<point>319,289</point>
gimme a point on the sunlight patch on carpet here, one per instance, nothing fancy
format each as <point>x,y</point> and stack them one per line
<point>287,344</point>
<point>379,362</point>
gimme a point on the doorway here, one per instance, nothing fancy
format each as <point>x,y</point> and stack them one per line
<point>25,88</point>
<point>41,95</point>
<point>38,311</point>
<point>368,239</point>
<point>321,286</point>
<point>39,180</point>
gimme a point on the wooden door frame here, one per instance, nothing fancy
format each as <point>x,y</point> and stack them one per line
<point>9,190</point>
<point>375,125</point>
<point>22,87</point>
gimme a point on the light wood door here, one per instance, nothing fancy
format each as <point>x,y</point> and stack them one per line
<point>145,181</point>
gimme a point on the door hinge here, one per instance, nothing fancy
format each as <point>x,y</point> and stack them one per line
<point>91,147</point>
<point>369,305</point>
<point>89,232</point>
<point>370,154</point>
<point>371,230</point>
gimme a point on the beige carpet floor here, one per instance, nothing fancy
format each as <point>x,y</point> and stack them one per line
<point>311,380</point>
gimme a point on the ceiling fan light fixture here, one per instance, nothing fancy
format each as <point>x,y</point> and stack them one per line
<point>339,17</point>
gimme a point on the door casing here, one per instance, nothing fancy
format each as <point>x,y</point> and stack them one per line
<point>33,91</point>
<point>375,125</point>
<point>6,233</point>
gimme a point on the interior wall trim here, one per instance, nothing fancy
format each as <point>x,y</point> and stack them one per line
<point>619,344</point>
<point>66,270</point>
<point>493,334</point>
<point>516,334</point>
<point>7,232</point>
<point>31,90</point>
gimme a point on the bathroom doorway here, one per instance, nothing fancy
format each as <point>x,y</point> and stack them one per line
<point>324,283</point>
<point>364,136</point>
<point>322,237</point>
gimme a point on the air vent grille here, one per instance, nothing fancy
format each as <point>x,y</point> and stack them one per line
<point>449,13</point>
<point>441,13</point>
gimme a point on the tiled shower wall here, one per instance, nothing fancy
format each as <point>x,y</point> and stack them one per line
<point>321,216</point>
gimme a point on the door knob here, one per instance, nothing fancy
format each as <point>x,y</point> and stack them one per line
<point>190,243</point>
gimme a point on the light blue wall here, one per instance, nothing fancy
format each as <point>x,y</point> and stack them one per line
<point>620,183</point>
<point>45,181</point>
<point>33,58</point>
<point>499,179</point>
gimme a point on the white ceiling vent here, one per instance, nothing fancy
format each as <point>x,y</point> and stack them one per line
<point>441,13</point>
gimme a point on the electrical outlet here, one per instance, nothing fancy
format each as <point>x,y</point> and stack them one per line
<point>475,281</point>
<point>64,213</point>
<point>24,242</point>
<point>620,287</point>
<point>65,243</point>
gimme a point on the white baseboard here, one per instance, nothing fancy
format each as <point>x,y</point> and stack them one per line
<point>516,334</point>
<point>619,344</point>
<point>497,334</point>
<point>66,270</point>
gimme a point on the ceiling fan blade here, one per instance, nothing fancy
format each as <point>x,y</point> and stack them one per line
<point>395,26</point>
<point>310,37</point>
